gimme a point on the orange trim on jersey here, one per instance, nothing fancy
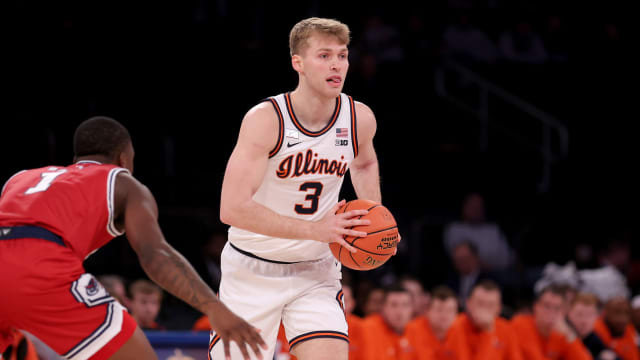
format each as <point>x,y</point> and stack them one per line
<point>354,127</point>
<point>317,335</point>
<point>297,124</point>
<point>213,342</point>
<point>281,125</point>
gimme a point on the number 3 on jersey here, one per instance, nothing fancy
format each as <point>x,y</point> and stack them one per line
<point>313,190</point>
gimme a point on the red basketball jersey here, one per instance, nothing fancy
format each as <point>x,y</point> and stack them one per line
<point>74,202</point>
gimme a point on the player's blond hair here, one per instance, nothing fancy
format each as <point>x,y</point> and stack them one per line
<point>303,30</point>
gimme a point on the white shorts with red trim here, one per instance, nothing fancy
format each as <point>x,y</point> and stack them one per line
<point>306,297</point>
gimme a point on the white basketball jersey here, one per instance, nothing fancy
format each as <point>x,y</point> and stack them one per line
<point>303,179</point>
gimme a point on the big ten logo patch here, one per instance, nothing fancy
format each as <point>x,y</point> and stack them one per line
<point>342,142</point>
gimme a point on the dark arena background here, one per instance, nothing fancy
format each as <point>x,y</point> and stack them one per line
<point>531,104</point>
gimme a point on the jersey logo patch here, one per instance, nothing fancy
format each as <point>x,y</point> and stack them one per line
<point>89,291</point>
<point>289,144</point>
<point>342,142</point>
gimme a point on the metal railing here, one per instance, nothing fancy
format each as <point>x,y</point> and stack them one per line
<point>550,126</point>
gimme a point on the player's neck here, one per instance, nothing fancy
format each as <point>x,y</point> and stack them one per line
<point>97,158</point>
<point>312,110</point>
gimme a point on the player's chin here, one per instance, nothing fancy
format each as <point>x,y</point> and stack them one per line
<point>331,90</point>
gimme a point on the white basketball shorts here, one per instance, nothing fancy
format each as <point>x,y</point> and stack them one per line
<point>305,296</point>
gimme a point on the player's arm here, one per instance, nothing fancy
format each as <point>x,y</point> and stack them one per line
<point>245,171</point>
<point>364,170</point>
<point>137,208</point>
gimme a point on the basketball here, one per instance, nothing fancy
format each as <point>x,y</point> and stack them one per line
<point>375,248</point>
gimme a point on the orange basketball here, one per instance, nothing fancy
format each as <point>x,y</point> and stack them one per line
<point>375,248</point>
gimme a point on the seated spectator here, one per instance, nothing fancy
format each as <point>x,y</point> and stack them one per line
<point>20,347</point>
<point>494,251</point>
<point>114,285</point>
<point>431,330</point>
<point>545,334</point>
<point>616,330</point>
<point>146,299</point>
<point>523,45</point>
<point>582,316</point>
<point>635,312</point>
<point>465,42</point>
<point>480,333</point>
<point>384,336</point>
<point>420,297</point>
<point>354,323</point>
<point>373,301</point>
<point>467,270</point>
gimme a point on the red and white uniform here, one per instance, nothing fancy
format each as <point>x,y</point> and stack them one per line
<point>51,219</point>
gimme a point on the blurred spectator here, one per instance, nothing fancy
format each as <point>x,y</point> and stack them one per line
<point>354,322</point>
<point>493,249</point>
<point>21,348</point>
<point>385,333</point>
<point>382,40</point>
<point>431,330</point>
<point>480,331</point>
<point>373,301</point>
<point>115,286</point>
<point>467,270</point>
<point>616,330</point>
<point>466,42</point>
<point>635,312</point>
<point>419,296</point>
<point>582,316</point>
<point>523,45</point>
<point>282,346</point>
<point>546,333</point>
<point>556,38</point>
<point>617,253</point>
<point>146,299</point>
<point>211,251</point>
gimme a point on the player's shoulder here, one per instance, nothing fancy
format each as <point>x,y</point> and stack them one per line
<point>264,109</point>
<point>262,121</point>
<point>364,113</point>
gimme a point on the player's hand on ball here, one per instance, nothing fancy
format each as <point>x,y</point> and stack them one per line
<point>230,327</point>
<point>334,227</point>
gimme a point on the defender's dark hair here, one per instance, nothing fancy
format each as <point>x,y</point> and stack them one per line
<point>100,135</point>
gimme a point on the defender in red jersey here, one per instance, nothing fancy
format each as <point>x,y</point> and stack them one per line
<point>52,218</point>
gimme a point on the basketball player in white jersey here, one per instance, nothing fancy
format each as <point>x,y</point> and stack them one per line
<point>280,194</point>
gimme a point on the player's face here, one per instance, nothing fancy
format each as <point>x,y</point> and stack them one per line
<point>324,64</point>
<point>146,307</point>
<point>548,310</point>
<point>442,313</point>
<point>483,306</point>
<point>397,310</point>
<point>583,317</point>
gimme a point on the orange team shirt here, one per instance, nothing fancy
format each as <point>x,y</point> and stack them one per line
<point>429,346</point>
<point>356,335</point>
<point>202,324</point>
<point>382,343</point>
<point>498,344</point>
<point>555,347</point>
<point>624,346</point>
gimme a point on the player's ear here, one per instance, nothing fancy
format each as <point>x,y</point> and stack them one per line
<point>296,62</point>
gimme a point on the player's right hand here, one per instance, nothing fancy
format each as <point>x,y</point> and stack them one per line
<point>334,227</point>
<point>230,327</point>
